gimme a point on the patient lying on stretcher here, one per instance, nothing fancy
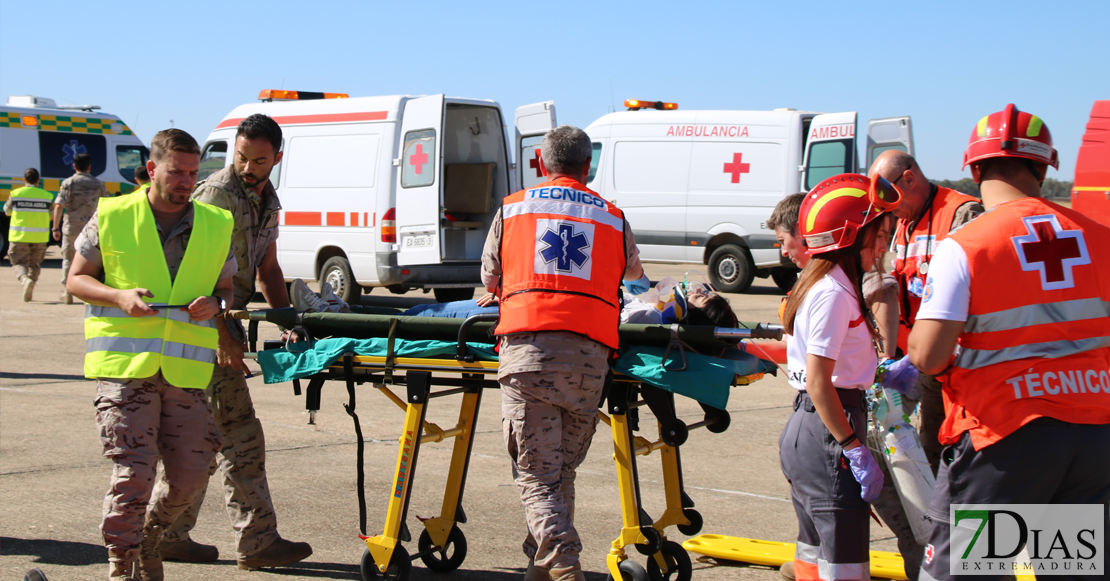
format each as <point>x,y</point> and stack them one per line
<point>664,304</point>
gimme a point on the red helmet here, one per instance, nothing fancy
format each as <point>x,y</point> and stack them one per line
<point>1011,133</point>
<point>835,211</point>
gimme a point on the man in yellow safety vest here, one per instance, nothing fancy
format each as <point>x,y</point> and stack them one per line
<point>29,232</point>
<point>155,269</point>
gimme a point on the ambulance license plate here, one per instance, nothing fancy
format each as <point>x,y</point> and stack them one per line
<point>419,241</point>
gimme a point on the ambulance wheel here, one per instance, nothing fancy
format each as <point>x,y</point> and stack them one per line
<point>679,567</point>
<point>449,558</point>
<point>450,295</point>
<point>695,522</point>
<point>630,571</point>
<point>400,567</point>
<point>337,272</point>
<point>731,269</point>
<point>784,278</point>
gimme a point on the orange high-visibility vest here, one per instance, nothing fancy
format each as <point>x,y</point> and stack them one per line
<point>562,259</point>
<point>1037,338</point>
<point>917,248</point>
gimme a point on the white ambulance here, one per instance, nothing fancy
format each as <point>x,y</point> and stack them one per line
<point>37,132</point>
<point>698,186</point>
<point>396,191</point>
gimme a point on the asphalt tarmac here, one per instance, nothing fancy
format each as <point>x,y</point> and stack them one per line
<point>53,477</point>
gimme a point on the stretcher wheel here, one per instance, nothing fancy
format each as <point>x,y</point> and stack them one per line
<point>695,522</point>
<point>449,557</point>
<point>400,567</point>
<point>676,435</point>
<point>630,571</point>
<point>655,540</point>
<point>679,567</point>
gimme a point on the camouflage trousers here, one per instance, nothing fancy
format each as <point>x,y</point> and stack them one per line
<point>26,258</point>
<point>68,251</point>
<point>140,420</point>
<point>243,463</point>
<point>549,419</point>
<point>889,507</point>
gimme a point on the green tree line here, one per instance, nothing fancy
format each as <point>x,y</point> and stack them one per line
<point>1051,188</point>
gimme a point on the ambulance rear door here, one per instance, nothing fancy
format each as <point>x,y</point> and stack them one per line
<point>420,183</point>
<point>888,133</point>
<point>830,148</point>
<point>532,123</point>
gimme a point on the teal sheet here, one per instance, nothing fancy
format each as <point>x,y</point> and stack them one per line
<point>279,365</point>
<point>707,379</point>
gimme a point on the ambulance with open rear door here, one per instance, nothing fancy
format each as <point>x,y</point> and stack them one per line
<point>396,191</point>
<point>698,186</point>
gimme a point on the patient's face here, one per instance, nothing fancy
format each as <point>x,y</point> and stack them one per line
<point>699,296</point>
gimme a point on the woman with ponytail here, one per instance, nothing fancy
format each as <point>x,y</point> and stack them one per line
<point>831,361</point>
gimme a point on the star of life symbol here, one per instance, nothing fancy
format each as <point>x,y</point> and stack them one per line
<point>1051,250</point>
<point>72,150</point>
<point>564,247</point>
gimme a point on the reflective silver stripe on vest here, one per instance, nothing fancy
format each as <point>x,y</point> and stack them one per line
<point>27,229</point>
<point>171,314</point>
<point>979,358</point>
<point>1039,314</point>
<point>123,345</point>
<point>805,553</point>
<point>565,209</point>
<point>192,352</point>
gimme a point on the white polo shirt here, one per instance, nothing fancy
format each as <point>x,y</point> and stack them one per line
<point>948,287</point>
<point>830,324</point>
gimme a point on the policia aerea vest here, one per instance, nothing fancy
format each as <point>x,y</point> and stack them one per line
<point>30,215</point>
<point>1037,338</point>
<point>119,346</point>
<point>562,258</point>
<point>912,251</point>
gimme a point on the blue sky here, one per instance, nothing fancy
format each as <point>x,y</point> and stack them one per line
<point>944,63</point>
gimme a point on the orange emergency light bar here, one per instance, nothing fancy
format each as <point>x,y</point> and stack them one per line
<point>637,104</point>
<point>281,95</point>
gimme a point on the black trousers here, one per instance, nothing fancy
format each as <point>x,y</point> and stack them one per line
<point>1046,461</point>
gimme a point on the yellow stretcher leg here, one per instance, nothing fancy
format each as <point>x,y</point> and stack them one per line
<point>383,546</point>
<point>624,453</point>
<point>439,529</point>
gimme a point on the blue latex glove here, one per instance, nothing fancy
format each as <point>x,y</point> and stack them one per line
<point>900,376</point>
<point>637,287</point>
<point>866,471</point>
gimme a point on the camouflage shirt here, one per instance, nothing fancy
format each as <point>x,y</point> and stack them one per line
<point>256,224</point>
<point>79,195</point>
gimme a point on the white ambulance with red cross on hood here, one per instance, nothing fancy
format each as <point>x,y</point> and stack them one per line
<point>395,191</point>
<point>699,186</point>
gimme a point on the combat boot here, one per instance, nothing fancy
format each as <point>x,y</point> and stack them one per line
<point>28,289</point>
<point>572,573</point>
<point>121,565</point>
<point>65,297</point>
<point>787,570</point>
<point>279,554</point>
<point>150,562</point>
<point>187,551</point>
<point>534,573</point>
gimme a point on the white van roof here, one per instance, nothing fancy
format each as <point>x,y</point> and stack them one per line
<point>645,117</point>
<point>32,105</point>
<point>386,108</point>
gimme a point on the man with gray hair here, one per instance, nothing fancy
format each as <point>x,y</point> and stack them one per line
<point>556,255</point>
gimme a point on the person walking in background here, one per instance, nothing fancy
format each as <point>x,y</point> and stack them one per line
<point>78,197</point>
<point>29,232</point>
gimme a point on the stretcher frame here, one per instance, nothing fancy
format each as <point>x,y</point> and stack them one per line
<point>386,558</point>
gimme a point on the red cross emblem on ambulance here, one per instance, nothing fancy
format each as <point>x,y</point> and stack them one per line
<point>736,167</point>
<point>418,159</point>
<point>534,163</point>
<point>1051,251</point>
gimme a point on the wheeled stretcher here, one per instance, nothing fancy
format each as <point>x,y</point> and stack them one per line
<point>406,357</point>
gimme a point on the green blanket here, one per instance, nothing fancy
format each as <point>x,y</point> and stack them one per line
<point>707,379</point>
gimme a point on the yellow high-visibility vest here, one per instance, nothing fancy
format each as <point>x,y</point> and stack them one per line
<point>30,215</point>
<point>120,346</point>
